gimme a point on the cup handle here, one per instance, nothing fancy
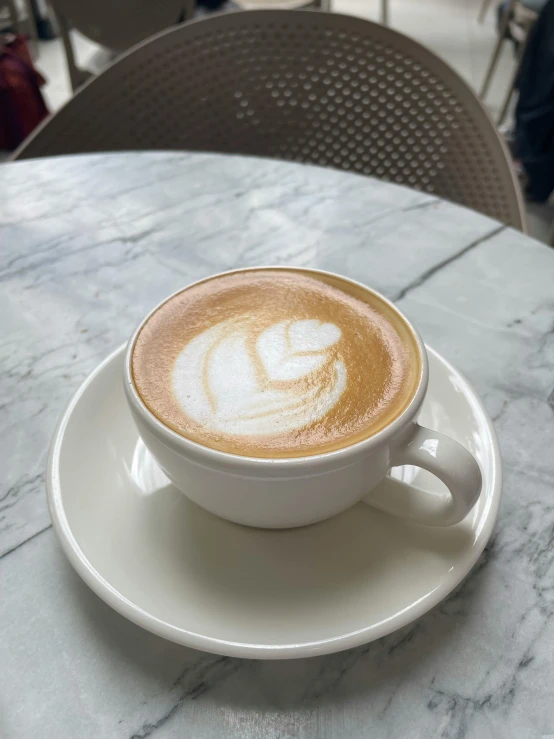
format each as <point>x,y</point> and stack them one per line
<point>446,459</point>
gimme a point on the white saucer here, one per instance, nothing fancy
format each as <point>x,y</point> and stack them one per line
<point>191,577</point>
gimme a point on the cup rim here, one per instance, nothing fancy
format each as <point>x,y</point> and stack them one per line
<point>201,452</point>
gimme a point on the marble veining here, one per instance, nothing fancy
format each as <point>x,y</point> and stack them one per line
<point>88,245</point>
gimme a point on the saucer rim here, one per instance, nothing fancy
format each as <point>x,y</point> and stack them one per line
<point>350,640</point>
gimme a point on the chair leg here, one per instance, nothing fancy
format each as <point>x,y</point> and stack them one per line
<point>385,12</point>
<point>24,26</point>
<point>189,8</point>
<point>14,17</point>
<point>492,66</point>
<point>497,48</point>
<point>513,81</point>
<point>483,10</point>
<point>77,76</point>
<point>32,27</point>
<point>508,98</point>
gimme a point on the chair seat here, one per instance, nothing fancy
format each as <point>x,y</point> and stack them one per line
<point>272,4</point>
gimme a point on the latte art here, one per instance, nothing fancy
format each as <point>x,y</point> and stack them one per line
<point>275,363</point>
<point>234,380</point>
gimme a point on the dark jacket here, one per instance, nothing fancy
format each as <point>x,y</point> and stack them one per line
<point>534,131</point>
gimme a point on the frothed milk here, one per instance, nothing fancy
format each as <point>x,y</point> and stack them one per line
<point>275,363</point>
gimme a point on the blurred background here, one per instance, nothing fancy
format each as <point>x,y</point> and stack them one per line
<point>483,40</point>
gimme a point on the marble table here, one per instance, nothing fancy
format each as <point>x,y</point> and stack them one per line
<point>88,244</point>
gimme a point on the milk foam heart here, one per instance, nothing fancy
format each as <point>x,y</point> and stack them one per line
<point>290,350</point>
<point>230,380</point>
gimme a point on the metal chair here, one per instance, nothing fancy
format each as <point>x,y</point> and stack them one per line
<point>114,24</point>
<point>311,87</point>
<point>516,23</point>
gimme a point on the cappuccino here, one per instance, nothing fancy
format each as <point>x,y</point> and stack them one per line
<point>276,363</point>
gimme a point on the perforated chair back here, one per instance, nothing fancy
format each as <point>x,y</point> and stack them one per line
<point>312,87</point>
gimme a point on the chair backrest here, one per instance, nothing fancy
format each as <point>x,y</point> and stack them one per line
<point>312,87</point>
<point>119,24</point>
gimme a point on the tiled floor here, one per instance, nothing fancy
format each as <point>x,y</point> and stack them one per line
<point>448,27</point>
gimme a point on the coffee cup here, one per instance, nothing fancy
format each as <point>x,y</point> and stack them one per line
<point>277,397</point>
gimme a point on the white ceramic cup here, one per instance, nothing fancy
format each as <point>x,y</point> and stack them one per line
<point>281,493</point>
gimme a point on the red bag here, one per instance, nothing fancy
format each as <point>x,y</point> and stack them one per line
<point>22,106</point>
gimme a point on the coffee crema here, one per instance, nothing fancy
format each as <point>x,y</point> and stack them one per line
<point>276,363</point>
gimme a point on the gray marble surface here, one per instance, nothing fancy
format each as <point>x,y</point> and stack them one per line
<point>87,246</point>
